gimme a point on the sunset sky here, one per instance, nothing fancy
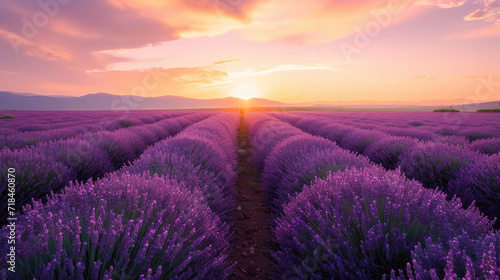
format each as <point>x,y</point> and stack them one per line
<point>284,50</point>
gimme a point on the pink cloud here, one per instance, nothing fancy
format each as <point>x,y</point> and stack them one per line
<point>488,31</point>
<point>81,28</point>
<point>443,3</point>
<point>490,11</point>
<point>79,36</point>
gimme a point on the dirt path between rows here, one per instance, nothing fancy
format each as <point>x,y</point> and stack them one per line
<point>252,238</point>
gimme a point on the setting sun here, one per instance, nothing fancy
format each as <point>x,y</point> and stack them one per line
<point>245,91</point>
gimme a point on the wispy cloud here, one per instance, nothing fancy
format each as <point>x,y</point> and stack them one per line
<point>71,45</point>
<point>490,11</point>
<point>488,31</point>
<point>226,61</point>
<point>271,69</point>
<point>431,77</point>
<point>27,47</point>
<point>8,72</point>
<point>442,3</point>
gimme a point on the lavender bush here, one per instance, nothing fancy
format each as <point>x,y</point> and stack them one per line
<point>35,175</point>
<point>159,131</point>
<point>416,123</point>
<point>196,157</point>
<point>84,159</point>
<point>148,136</point>
<point>462,257</point>
<point>50,166</point>
<point>363,224</point>
<point>453,140</point>
<point>147,119</point>
<point>486,146</point>
<point>266,132</point>
<point>332,131</point>
<point>199,163</point>
<point>474,134</point>
<point>221,130</point>
<point>479,181</point>
<point>21,140</point>
<point>419,134</point>
<point>388,150</point>
<point>435,164</point>
<point>297,162</point>
<point>121,146</point>
<point>127,227</point>
<point>359,140</point>
<point>31,127</point>
<point>107,120</point>
<point>445,131</point>
<point>129,122</point>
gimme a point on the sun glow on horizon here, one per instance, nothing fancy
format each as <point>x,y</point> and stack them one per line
<point>245,91</point>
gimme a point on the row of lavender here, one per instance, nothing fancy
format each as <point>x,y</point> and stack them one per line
<point>21,140</point>
<point>456,170</point>
<point>49,166</point>
<point>339,217</point>
<point>25,121</point>
<point>167,216</point>
<point>482,140</point>
<point>461,132</point>
<point>468,125</point>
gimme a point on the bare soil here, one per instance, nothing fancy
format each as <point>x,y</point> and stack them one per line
<point>252,238</point>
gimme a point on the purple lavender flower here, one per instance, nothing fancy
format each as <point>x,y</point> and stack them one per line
<point>149,137</point>
<point>332,131</point>
<point>198,157</point>
<point>49,166</point>
<point>419,134</point>
<point>129,122</point>
<point>159,131</point>
<point>486,146</point>
<point>479,181</point>
<point>31,127</point>
<point>266,132</point>
<point>359,140</point>
<point>474,134</point>
<point>453,140</point>
<point>462,257</point>
<point>363,224</point>
<point>388,150</point>
<point>198,163</point>
<point>85,160</point>
<point>435,164</point>
<point>36,175</point>
<point>298,161</point>
<point>121,146</point>
<point>125,227</point>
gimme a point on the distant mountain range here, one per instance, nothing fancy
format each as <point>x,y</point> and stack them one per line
<point>105,101</point>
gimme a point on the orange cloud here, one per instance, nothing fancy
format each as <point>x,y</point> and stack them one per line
<point>226,61</point>
<point>443,3</point>
<point>278,68</point>
<point>81,36</point>
<point>290,21</point>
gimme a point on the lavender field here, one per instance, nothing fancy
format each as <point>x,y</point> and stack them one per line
<point>174,195</point>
